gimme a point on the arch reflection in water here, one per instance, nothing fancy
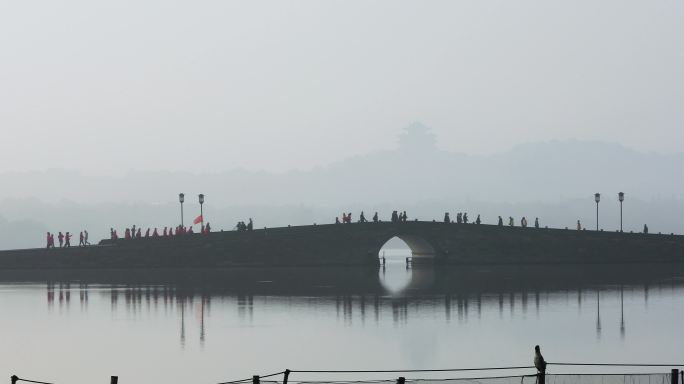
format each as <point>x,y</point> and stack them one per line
<point>395,275</point>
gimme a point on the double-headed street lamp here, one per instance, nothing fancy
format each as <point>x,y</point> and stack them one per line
<point>201,201</point>
<point>181,198</point>
<point>621,197</point>
<point>597,198</point>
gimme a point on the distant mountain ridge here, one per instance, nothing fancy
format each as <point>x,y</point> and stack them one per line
<point>553,180</point>
<point>537,171</point>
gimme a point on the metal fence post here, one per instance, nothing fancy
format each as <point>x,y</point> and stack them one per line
<point>541,377</point>
<point>255,379</point>
<point>401,380</point>
<point>674,378</point>
<point>14,379</point>
<point>286,376</point>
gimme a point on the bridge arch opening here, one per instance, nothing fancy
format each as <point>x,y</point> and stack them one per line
<point>396,274</point>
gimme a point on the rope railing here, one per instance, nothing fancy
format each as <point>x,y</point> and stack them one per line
<point>252,378</point>
<point>617,364</point>
<point>409,370</point>
<point>256,379</point>
<point>16,379</point>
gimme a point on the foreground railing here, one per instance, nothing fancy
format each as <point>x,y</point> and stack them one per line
<point>675,376</point>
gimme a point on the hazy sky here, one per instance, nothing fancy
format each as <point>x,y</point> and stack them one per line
<point>212,85</point>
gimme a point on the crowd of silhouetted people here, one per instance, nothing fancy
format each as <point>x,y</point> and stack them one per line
<point>64,239</point>
<point>241,226</point>
<point>136,233</point>
<point>461,218</point>
<point>397,217</point>
<point>523,222</point>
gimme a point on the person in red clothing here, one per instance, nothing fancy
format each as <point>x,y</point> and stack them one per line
<point>170,231</point>
<point>155,233</point>
<point>60,237</point>
<point>166,232</point>
<point>67,238</point>
<point>81,240</point>
<point>147,233</point>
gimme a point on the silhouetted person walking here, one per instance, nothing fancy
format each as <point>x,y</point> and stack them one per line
<point>85,235</point>
<point>536,222</point>
<point>81,239</point>
<point>446,217</point>
<point>60,237</point>
<point>645,228</point>
<point>523,222</point>
<point>579,226</point>
<point>500,224</point>
<point>511,223</point>
<point>539,361</point>
<point>375,217</point>
<point>477,220</point>
<point>67,240</point>
<point>465,218</point>
<point>250,225</point>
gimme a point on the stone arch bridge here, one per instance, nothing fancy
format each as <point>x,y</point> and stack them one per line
<point>358,244</point>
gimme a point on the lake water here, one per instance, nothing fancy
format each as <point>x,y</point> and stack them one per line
<point>214,326</point>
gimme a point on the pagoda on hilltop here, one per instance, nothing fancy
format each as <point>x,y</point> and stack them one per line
<point>417,138</point>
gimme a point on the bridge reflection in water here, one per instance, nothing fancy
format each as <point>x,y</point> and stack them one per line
<point>458,294</point>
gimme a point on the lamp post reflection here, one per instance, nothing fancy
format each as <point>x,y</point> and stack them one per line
<point>622,312</point>
<point>182,330</point>
<point>598,314</point>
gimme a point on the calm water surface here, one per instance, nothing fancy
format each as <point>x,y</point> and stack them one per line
<point>212,326</point>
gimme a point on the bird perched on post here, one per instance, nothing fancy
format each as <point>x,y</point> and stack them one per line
<point>539,361</point>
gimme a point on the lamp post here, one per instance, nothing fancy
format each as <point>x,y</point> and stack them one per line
<point>597,198</point>
<point>621,197</point>
<point>181,198</point>
<point>201,201</point>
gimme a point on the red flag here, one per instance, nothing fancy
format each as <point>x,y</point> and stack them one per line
<point>197,220</point>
